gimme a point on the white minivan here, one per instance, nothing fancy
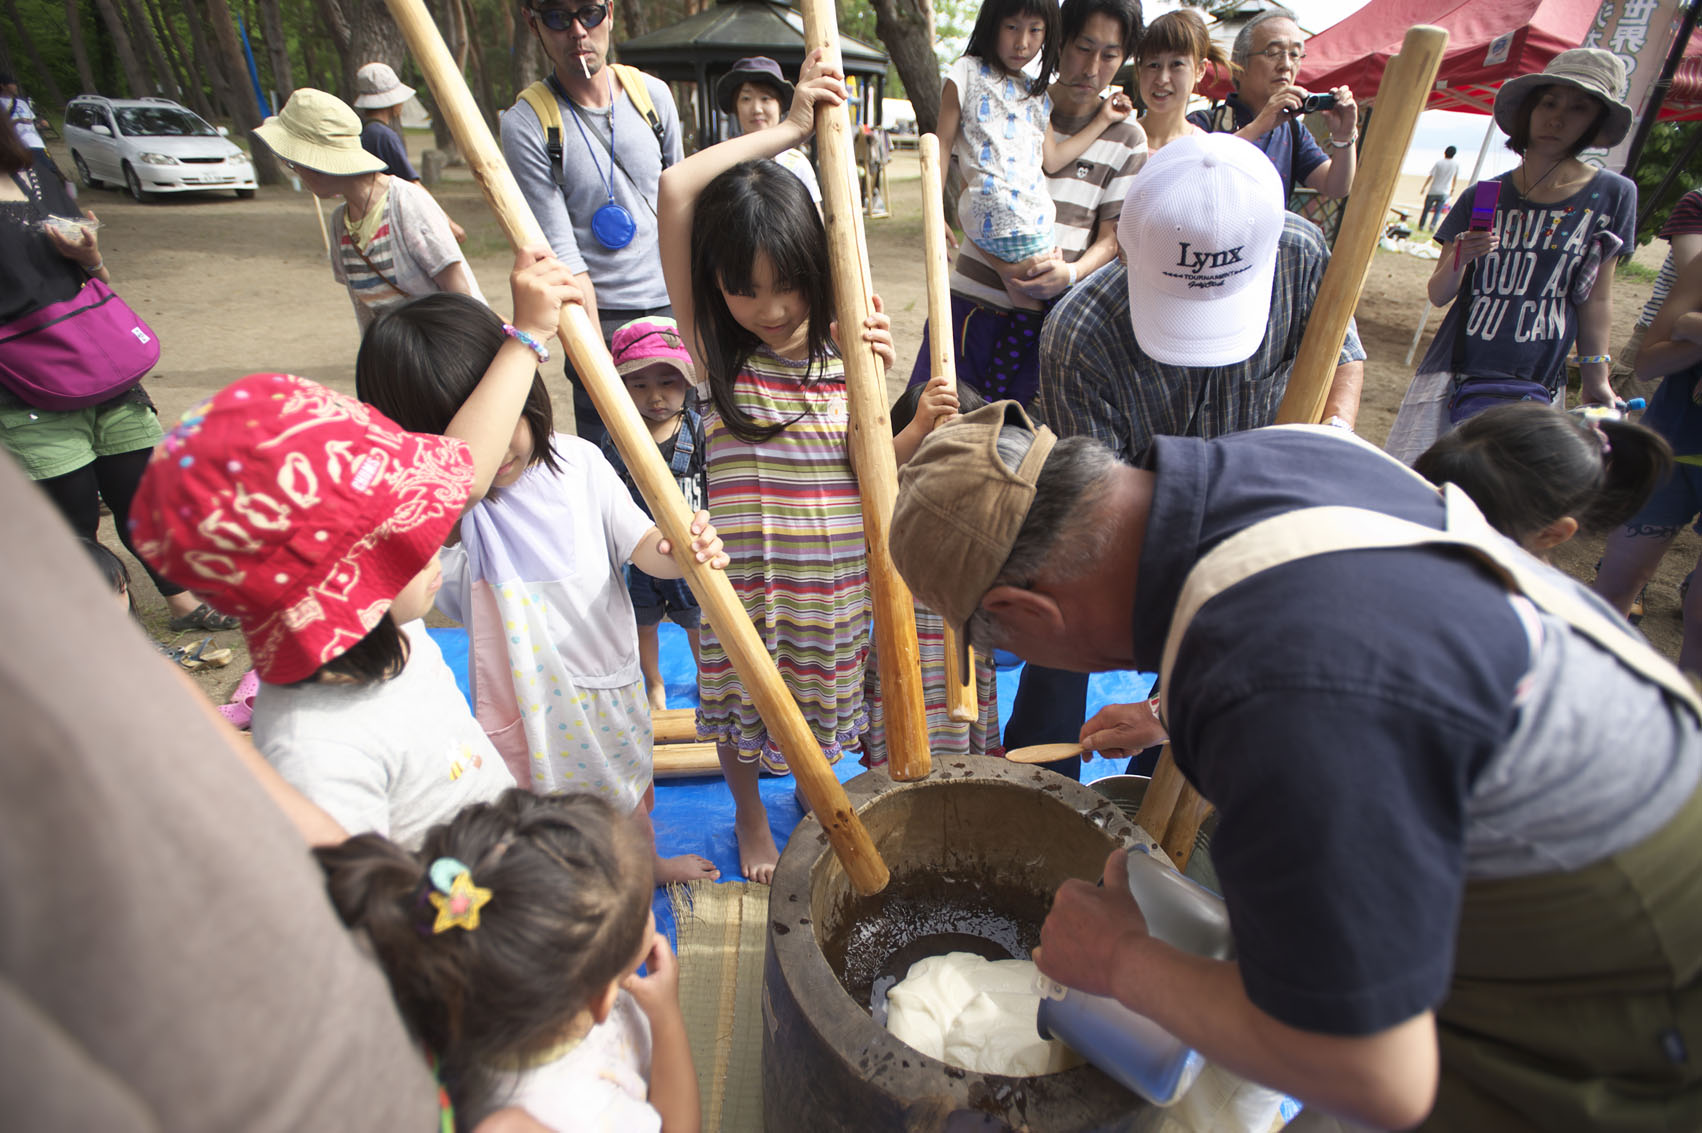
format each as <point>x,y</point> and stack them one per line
<point>151,145</point>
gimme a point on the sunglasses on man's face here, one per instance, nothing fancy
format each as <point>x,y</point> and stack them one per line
<point>560,19</point>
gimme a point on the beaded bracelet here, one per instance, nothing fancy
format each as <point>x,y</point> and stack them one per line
<point>526,340</point>
<point>1593,359</point>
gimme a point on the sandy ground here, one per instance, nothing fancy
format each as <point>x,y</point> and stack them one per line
<point>234,287</point>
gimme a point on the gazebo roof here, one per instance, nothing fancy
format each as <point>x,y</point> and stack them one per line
<point>732,30</point>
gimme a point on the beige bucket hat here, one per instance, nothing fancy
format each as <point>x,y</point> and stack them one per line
<point>376,86</point>
<point>321,132</point>
<point>1589,69</point>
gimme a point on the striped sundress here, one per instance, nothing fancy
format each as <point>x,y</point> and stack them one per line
<point>788,512</point>
<point>946,737</point>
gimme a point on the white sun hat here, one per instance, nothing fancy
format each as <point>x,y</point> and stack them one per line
<point>376,86</point>
<point>319,131</point>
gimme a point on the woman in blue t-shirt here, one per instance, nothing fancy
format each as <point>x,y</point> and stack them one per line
<point>1541,275</point>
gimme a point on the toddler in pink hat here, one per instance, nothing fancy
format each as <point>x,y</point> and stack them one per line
<point>316,521</point>
<point>653,363</point>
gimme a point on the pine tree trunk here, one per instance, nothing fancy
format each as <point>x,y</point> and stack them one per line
<point>526,58</point>
<point>481,74</point>
<point>451,19</point>
<point>277,49</point>
<point>338,28</point>
<point>191,92</point>
<point>48,91</point>
<point>247,114</point>
<point>141,29</point>
<point>373,38</point>
<point>134,77</point>
<point>633,23</point>
<point>79,51</point>
<point>206,62</point>
<point>309,61</point>
<point>906,27</point>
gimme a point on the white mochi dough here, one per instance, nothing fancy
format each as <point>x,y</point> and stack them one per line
<point>976,1014</point>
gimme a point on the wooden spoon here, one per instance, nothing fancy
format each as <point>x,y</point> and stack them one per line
<point>1045,753</point>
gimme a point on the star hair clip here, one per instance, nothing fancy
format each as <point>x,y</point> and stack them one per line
<point>456,899</point>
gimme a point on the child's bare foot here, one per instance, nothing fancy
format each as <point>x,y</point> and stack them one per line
<point>686,867</point>
<point>757,853</point>
<point>658,695</point>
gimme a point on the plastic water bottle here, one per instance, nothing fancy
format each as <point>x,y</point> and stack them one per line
<point>1614,412</point>
<point>1130,1048</point>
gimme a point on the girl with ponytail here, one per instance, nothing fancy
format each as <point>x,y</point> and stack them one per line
<point>512,942</point>
<point>1540,474</point>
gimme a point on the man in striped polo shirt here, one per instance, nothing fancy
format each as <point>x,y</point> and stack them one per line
<point>998,347</point>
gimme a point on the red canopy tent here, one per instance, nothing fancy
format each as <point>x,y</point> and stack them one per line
<point>1489,41</point>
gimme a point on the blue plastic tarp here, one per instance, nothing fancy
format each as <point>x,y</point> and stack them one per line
<point>695,816</point>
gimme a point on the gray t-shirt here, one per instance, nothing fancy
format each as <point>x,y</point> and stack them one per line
<point>629,277</point>
<point>1551,798</point>
<point>397,757</point>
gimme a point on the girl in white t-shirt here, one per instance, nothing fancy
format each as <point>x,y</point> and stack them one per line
<point>316,523</point>
<point>537,576</point>
<point>512,942</point>
<point>998,122</point>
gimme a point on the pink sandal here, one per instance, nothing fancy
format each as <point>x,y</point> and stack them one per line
<point>240,710</point>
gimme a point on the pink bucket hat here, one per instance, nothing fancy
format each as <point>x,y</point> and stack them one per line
<point>298,510</point>
<point>648,341</point>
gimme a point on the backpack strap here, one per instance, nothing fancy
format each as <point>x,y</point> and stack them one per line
<point>1322,530</point>
<point>1294,159</point>
<point>543,102</point>
<point>632,81</point>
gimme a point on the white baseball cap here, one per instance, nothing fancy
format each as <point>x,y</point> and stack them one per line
<point>1199,233</point>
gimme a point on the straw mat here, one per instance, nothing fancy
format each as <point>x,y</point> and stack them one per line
<point>722,935</point>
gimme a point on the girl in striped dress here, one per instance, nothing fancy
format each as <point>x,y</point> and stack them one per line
<point>745,257</point>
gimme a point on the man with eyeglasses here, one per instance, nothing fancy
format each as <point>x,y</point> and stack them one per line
<point>597,202</point>
<point>1266,109</point>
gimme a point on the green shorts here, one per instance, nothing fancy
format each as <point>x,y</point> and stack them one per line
<point>49,443</point>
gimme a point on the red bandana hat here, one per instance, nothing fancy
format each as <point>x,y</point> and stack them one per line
<point>299,510</point>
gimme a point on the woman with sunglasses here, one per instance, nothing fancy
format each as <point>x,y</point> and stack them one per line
<point>393,241</point>
<point>594,190</point>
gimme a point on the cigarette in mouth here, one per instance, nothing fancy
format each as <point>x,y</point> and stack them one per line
<point>584,66</point>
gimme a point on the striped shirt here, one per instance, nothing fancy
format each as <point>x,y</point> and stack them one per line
<point>790,516</point>
<point>1096,381</point>
<point>1086,193</point>
<point>410,246</point>
<point>1686,218</point>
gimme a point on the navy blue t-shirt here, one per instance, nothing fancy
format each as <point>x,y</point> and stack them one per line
<point>1522,314</point>
<point>1293,164</point>
<point>1335,710</point>
<point>383,143</point>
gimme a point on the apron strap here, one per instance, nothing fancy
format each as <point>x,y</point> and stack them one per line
<point>1322,530</point>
